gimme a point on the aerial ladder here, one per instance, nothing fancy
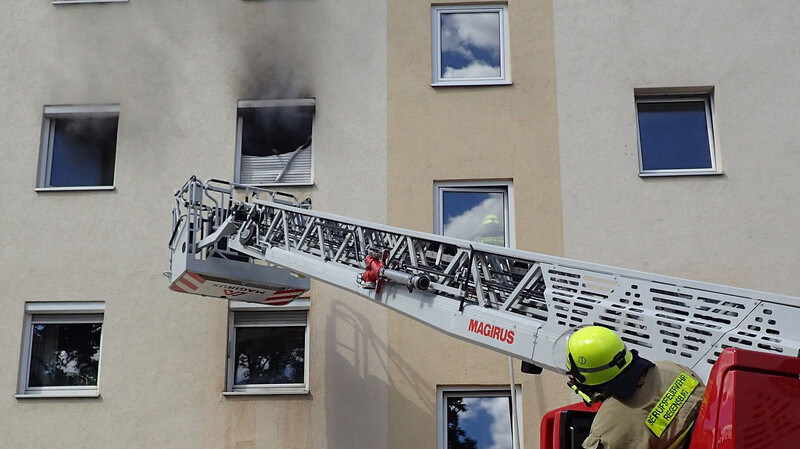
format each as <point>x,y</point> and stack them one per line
<point>250,244</point>
<point>257,245</point>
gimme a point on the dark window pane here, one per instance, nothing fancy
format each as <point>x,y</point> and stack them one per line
<point>270,355</point>
<point>275,130</point>
<point>479,422</point>
<point>674,135</point>
<point>477,216</point>
<point>83,152</point>
<point>64,355</point>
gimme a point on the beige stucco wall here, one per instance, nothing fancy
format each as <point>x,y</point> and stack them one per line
<point>738,228</point>
<point>465,134</point>
<point>177,69</point>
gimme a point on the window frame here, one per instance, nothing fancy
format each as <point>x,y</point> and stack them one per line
<point>234,307</point>
<point>50,117</point>
<point>252,104</point>
<point>57,313</point>
<point>445,391</point>
<point>707,98</point>
<point>504,187</point>
<point>436,45</point>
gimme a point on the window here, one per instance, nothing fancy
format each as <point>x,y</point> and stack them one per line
<point>61,349</point>
<point>273,143</point>
<point>477,417</point>
<point>676,135</point>
<point>477,211</point>
<point>79,146</point>
<point>470,45</point>
<point>268,348</point>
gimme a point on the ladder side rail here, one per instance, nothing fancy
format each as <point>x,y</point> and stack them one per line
<point>602,270</point>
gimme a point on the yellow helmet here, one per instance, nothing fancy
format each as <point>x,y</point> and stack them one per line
<point>490,219</point>
<point>596,355</point>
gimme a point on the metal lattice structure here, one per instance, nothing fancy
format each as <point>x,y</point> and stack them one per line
<point>515,302</point>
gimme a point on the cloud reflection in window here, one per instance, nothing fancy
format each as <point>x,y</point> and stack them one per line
<point>470,45</point>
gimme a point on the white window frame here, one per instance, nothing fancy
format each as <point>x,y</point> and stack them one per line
<point>436,46</point>
<point>273,104</point>
<point>443,392</point>
<point>681,97</point>
<point>234,307</point>
<point>504,187</point>
<point>57,313</point>
<point>51,116</point>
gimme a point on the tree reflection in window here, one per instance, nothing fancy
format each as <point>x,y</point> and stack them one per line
<point>457,437</point>
<point>65,354</point>
<point>479,420</point>
<point>270,355</point>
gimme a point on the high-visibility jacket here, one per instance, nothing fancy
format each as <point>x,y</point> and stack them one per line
<point>623,423</point>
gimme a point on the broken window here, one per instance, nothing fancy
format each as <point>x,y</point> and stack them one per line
<point>274,142</point>
<point>79,146</point>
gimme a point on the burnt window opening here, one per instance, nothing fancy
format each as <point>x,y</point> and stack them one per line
<point>274,142</point>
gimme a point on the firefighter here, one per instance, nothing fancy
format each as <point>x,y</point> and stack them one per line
<point>646,405</point>
<point>492,232</point>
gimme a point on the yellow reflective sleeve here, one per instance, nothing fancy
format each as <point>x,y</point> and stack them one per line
<point>670,403</point>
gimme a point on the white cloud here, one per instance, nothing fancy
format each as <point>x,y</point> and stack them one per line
<point>468,225</point>
<point>481,30</point>
<point>476,69</point>
<point>498,410</point>
<point>500,428</point>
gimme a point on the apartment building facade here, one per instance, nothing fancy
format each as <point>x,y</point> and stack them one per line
<point>538,125</point>
<point>647,135</point>
<point>109,107</point>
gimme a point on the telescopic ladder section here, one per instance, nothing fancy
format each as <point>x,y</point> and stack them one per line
<point>515,302</point>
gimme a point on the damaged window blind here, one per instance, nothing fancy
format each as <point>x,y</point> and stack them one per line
<point>275,142</point>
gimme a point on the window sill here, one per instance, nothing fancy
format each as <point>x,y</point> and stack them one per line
<point>680,173</point>
<point>74,189</point>
<point>279,184</point>
<point>466,83</point>
<point>268,392</point>
<point>58,395</point>
<point>73,2</point>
